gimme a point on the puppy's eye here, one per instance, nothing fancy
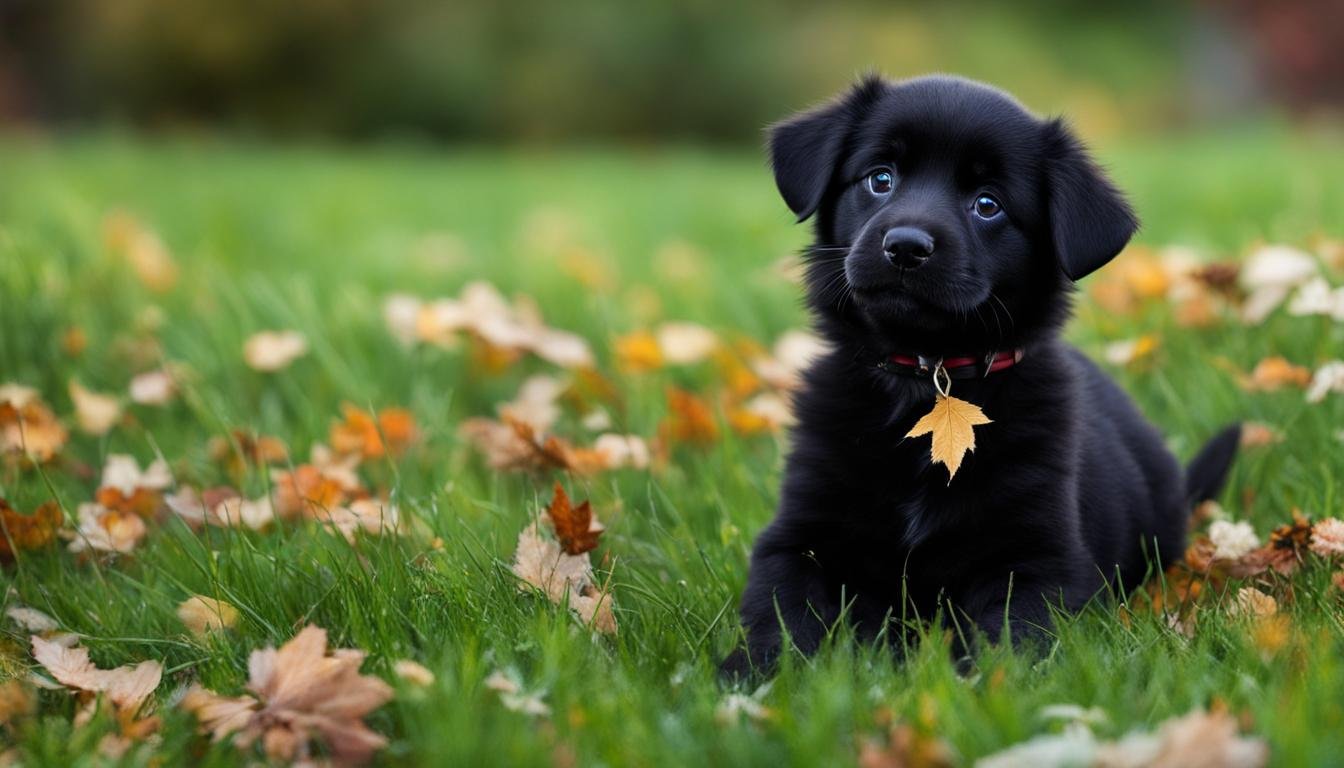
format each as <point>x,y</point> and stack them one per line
<point>881,181</point>
<point>987,207</point>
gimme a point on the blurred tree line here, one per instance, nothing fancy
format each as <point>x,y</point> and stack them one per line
<point>495,71</point>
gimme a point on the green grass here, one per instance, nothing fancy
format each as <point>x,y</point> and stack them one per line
<point>314,239</point>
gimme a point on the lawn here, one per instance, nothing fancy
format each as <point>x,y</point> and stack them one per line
<point>606,243</point>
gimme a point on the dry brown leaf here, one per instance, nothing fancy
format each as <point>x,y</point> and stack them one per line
<point>413,672</point>
<point>25,532</point>
<point>105,530</point>
<point>127,237</point>
<point>300,695</point>
<point>685,343</point>
<point>1328,378</point>
<point>127,686</point>
<point>95,412</point>
<point>1256,434</point>
<point>905,748</point>
<point>32,620</point>
<point>202,615</point>
<point>952,425</point>
<point>28,428</point>
<point>269,351</point>
<point>576,527</point>
<point>1199,739</point>
<point>1253,603</point>
<point>152,388</point>
<point>1327,537</point>
<point>16,702</point>
<point>367,515</point>
<point>541,563</point>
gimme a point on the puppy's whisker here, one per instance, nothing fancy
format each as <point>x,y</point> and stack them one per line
<point>1006,311</point>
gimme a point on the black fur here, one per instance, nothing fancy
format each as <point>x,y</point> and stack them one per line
<point>1069,489</point>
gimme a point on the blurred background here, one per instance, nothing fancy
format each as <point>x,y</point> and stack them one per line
<point>608,71</point>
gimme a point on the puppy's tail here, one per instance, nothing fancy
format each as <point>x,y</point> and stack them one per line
<point>1207,472</point>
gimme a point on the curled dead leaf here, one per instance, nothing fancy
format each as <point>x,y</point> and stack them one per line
<point>299,695</point>
<point>127,687</point>
<point>202,615</point>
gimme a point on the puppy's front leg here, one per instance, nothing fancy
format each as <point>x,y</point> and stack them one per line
<point>1021,600</point>
<point>786,591</point>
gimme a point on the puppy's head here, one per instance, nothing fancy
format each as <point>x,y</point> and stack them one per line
<point>948,218</point>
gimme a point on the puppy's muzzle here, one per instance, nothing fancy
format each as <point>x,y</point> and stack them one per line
<point>907,247</point>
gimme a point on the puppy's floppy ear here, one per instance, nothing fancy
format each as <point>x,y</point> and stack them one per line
<point>805,148</point>
<point>1090,220</point>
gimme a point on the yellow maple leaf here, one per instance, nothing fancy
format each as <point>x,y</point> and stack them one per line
<point>952,423</point>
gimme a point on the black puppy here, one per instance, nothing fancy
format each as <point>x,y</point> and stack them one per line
<point>950,225</point>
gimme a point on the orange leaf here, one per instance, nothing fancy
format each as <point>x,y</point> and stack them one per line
<point>689,419</point>
<point>27,531</point>
<point>575,527</point>
<point>360,433</point>
<point>638,352</point>
<point>1274,373</point>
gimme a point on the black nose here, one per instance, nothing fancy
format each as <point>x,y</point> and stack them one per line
<point>907,246</point>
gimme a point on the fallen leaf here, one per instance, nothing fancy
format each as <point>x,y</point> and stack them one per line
<point>1199,739</point>
<point>1231,540</point>
<point>153,388</point>
<point>618,451</point>
<point>125,235</point>
<point>16,702</point>
<point>1328,378</point>
<point>31,620</point>
<point>27,532</point>
<point>1256,434</point>
<point>793,352</point>
<point>27,425</point>
<point>203,615</point>
<point>1130,351</point>
<point>904,747</point>
<point>299,695</point>
<point>305,490</point>
<point>104,530</point>
<point>127,686</point>
<point>1253,603</point>
<point>1269,275</point>
<point>270,351</point>
<point>243,450</point>
<point>95,412</point>
<point>367,515</point>
<point>685,343</point>
<point>1327,537</point>
<point>541,563</point>
<point>536,403</point>
<point>576,527</point>
<point>392,431</point>
<point>1274,373</point>
<point>689,419</point>
<point>1316,297</point>
<point>638,352</point>
<point>513,698</point>
<point>413,672</point>
<point>766,412</point>
<point>952,425</point>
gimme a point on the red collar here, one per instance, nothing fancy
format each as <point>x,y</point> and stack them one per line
<point>956,367</point>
